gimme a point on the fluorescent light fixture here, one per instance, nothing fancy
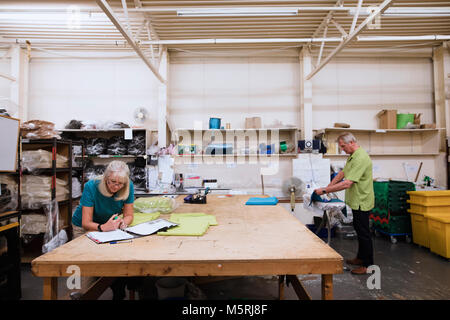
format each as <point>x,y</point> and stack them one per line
<point>237,12</point>
<point>407,12</point>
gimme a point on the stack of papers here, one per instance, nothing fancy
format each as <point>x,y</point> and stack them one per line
<point>143,229</point>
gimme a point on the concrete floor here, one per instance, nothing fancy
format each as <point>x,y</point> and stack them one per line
<point>408,272</point>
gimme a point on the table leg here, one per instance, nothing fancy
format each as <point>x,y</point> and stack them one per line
<point>50,291</point>
<point>281,287</point>
<point>327,287</point>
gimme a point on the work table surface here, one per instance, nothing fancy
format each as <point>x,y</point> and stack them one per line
<point>248,240</point>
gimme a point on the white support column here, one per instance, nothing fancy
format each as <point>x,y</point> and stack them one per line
<point>162,100</point>
<point>19,88</point>
<point>306,94</point>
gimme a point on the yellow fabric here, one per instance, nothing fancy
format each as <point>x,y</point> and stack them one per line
<point>210,219</point>
<point>140,217</point>
<point>192,226</point>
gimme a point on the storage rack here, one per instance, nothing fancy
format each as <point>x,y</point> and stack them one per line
<point>80,134</point>
<point>10,274</point>
<point>56,146</point>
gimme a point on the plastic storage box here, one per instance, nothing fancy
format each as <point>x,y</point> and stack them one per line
<point>439,234</point>
<point>430,198</point>
<point>429,209</point>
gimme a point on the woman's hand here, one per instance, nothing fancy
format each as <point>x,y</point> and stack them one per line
<point>113,223</point>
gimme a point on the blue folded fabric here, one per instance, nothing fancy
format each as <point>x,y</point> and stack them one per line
<point>315,197</point>
<point>271,201</point>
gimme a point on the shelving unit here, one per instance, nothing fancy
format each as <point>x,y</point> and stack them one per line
<point>245,142</point>
<point>82,135</point>
<point>55,146</point>
<point>386,142</point>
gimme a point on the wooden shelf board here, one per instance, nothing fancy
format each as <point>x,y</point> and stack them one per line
<point>235,155</point>
<point>240,129</point>
<point>386,154</point>
<point>376,130</point>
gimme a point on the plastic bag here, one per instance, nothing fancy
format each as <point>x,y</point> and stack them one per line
<point>93,171</point>
<point>74,124</point>
<point>9,193</point>
<point>38,129</point>
<point>137,175</point>
<point>117,146</point>
<point>137,145</point>
<point>76,188</point>
<point>39,159</point>
<point>36,191</point>
<point>53,238</point>
<point>155,204</point>
<point>115,125</point>
<point>33,223</point>
<point>95,146</point>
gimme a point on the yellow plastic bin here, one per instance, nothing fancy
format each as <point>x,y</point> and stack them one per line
<point>419,226</point>
<point>430,198</point>
<point>428,209</point>
<point>439,234</point>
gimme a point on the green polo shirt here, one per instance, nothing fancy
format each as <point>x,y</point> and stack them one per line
<point>358,169</point>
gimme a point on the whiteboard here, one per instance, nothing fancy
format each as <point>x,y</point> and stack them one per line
<point>9,140</point>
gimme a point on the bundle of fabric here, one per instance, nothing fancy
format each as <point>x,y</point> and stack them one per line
<point>137,145</point>
<point>74,124</point>
<point>36,191</point>
<point>35,159</point>
<point>189,224</point>
<point>117,146</point>
<point>93,171</point>
<point>137,175</point>
<point>38,129</point>
<point>95,146</point>
<point>9,194</point>
<point>115,125</point>
<point>33,223</point>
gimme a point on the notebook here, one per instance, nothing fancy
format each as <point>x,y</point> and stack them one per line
<point>150,227</point>
<point>108,236</point>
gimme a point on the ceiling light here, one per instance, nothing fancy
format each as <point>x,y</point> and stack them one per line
<point>236,12</point>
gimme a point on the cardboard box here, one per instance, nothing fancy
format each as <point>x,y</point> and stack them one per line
<point>388,119</point>
<point>253,123</point>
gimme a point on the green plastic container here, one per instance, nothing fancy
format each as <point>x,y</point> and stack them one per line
<point>403,119</point>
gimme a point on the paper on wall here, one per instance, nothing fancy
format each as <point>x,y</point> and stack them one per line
<point>165,166</point>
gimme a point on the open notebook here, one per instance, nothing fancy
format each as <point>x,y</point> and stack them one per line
<point>143,229</point>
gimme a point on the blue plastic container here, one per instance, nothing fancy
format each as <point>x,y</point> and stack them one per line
<point>214,123</point>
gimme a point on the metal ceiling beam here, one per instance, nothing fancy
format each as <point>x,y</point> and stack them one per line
<point>381,8</point>
<point>326,20</point>
<point>108,11</point>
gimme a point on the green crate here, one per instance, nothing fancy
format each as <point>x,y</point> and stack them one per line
<point>399,224</point>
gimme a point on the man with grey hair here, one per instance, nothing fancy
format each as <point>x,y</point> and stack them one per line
<point>356,180</point>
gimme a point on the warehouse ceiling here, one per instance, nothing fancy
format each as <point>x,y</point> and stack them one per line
<point>189,25</point>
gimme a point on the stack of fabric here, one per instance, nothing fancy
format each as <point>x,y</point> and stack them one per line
<point>38,129</point>
<point>189,224</point>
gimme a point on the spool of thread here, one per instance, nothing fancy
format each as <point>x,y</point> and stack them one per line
<point>283,146</point>
<point>228,126</point>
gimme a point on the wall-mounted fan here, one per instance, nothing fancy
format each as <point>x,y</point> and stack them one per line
<point>140,115</point>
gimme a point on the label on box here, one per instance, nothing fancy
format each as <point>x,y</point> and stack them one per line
<point>128,134</point>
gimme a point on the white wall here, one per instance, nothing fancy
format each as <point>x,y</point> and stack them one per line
<point>354,90</point>
<point>233,88</point>
<point>94,90</point>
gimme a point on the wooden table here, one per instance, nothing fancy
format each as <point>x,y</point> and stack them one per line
<point>248,241</point>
